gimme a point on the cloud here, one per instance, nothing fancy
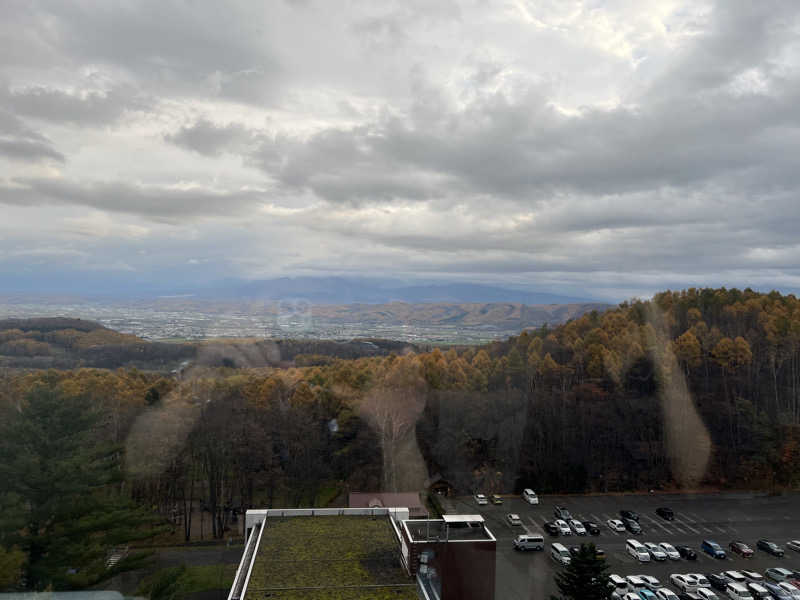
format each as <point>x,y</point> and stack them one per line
<point>626,144</point>
<point>20,143</point>
<point>168,203</point>
<point>204,137</point>
<point>91,107</point>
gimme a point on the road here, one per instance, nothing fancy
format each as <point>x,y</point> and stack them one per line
<point>719,517</point>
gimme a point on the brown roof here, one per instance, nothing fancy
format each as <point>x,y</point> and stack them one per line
<point>385,499</point>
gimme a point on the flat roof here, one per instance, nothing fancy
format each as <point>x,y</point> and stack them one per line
<point>462,518</point>
<point>439,530</point>
<point>329,558</point>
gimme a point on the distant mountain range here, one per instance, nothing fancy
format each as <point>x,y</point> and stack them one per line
<point>342,290</point>
<point>315,290</point>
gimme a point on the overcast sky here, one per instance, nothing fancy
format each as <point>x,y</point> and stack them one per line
<point>609,148</point>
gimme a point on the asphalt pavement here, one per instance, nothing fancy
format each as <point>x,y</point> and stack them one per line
<point>722,517</point>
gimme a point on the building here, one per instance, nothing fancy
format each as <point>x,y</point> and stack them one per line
<point>410,500</point>
<point>364,553</point>
<point>453,557</point>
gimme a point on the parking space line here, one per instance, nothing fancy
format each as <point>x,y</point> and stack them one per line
<point>689,527</point>
<point>656,523</point>
<point>720,529</point>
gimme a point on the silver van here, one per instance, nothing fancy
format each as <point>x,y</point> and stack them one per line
<point>529,541</point>
<point>560,554</point>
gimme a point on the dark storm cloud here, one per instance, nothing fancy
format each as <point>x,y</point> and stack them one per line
<point>156,202</point>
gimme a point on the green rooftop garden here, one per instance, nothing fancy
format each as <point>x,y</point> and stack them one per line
<point>329,558</point>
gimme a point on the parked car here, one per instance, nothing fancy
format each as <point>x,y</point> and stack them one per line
<point>702,580</point>
<point>718,581</point>
<point>655,551</point>
<point>577,527</point>
<point>637,550</point>
<point>665,513</point>
<point>778,593</point>
<point>741,549</point>
<point>735,576</point>
<point>632,526</point>
<point>770,547</point>
<point>737,591</point>
<point>652,583</point>
<point>752,576</point>
<point>496,499</point>
<point>713,549</point>
<point>616,525</point>
<point>563,528</point>
<point>646,594</point>
<point>529,541</point>
<point>778,574</point>
<point>666,594</point>
<point>793,591</point>
<point>530,496</point>
<point>562,513</point>
<point>758,591</point>
<point>635,583</point>
<point>513,519</point>
<point>685,583</point>
<point>618,585</point>
<point>706,594</point>
<point>670,550</point>
<point>481,499</point>
<point>629,514</point>
<point>574,550</point>
<point>793,545</point>
<point>551,528</point>
<point>686,552</point>
<point>592,527</point>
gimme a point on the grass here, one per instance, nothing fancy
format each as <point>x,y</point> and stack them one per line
<point>330,552</point>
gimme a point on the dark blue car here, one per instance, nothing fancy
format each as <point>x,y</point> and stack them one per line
<point>712,549</point>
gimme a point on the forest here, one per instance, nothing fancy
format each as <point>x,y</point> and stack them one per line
<point>694,389</point>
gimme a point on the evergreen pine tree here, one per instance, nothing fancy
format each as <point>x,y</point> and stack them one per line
<point>585,577</point>
<point>58,500</point>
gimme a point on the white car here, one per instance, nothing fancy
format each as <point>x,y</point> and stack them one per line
<point>790,589</point>
<point>530,496</point>
<point>577,527</point>
<point>685,583</point>
<point>752,576</point>
<point>481,499</point>
<point>735,577</point>
<point>616,525</point>
<point>655,551</point>
<point>651,582</point>
<point>666,594</point>
<point>737,591</point>
<point>793,545</point>
<point>670,551</point>
<point>513,519</point>
<point>701,580</point>
<point>631,596</point>
<point>636,583</point>
<point>705,594</point>
<point>563,528</point>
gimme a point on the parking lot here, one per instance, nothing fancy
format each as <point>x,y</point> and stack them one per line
<point>719,517</point>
